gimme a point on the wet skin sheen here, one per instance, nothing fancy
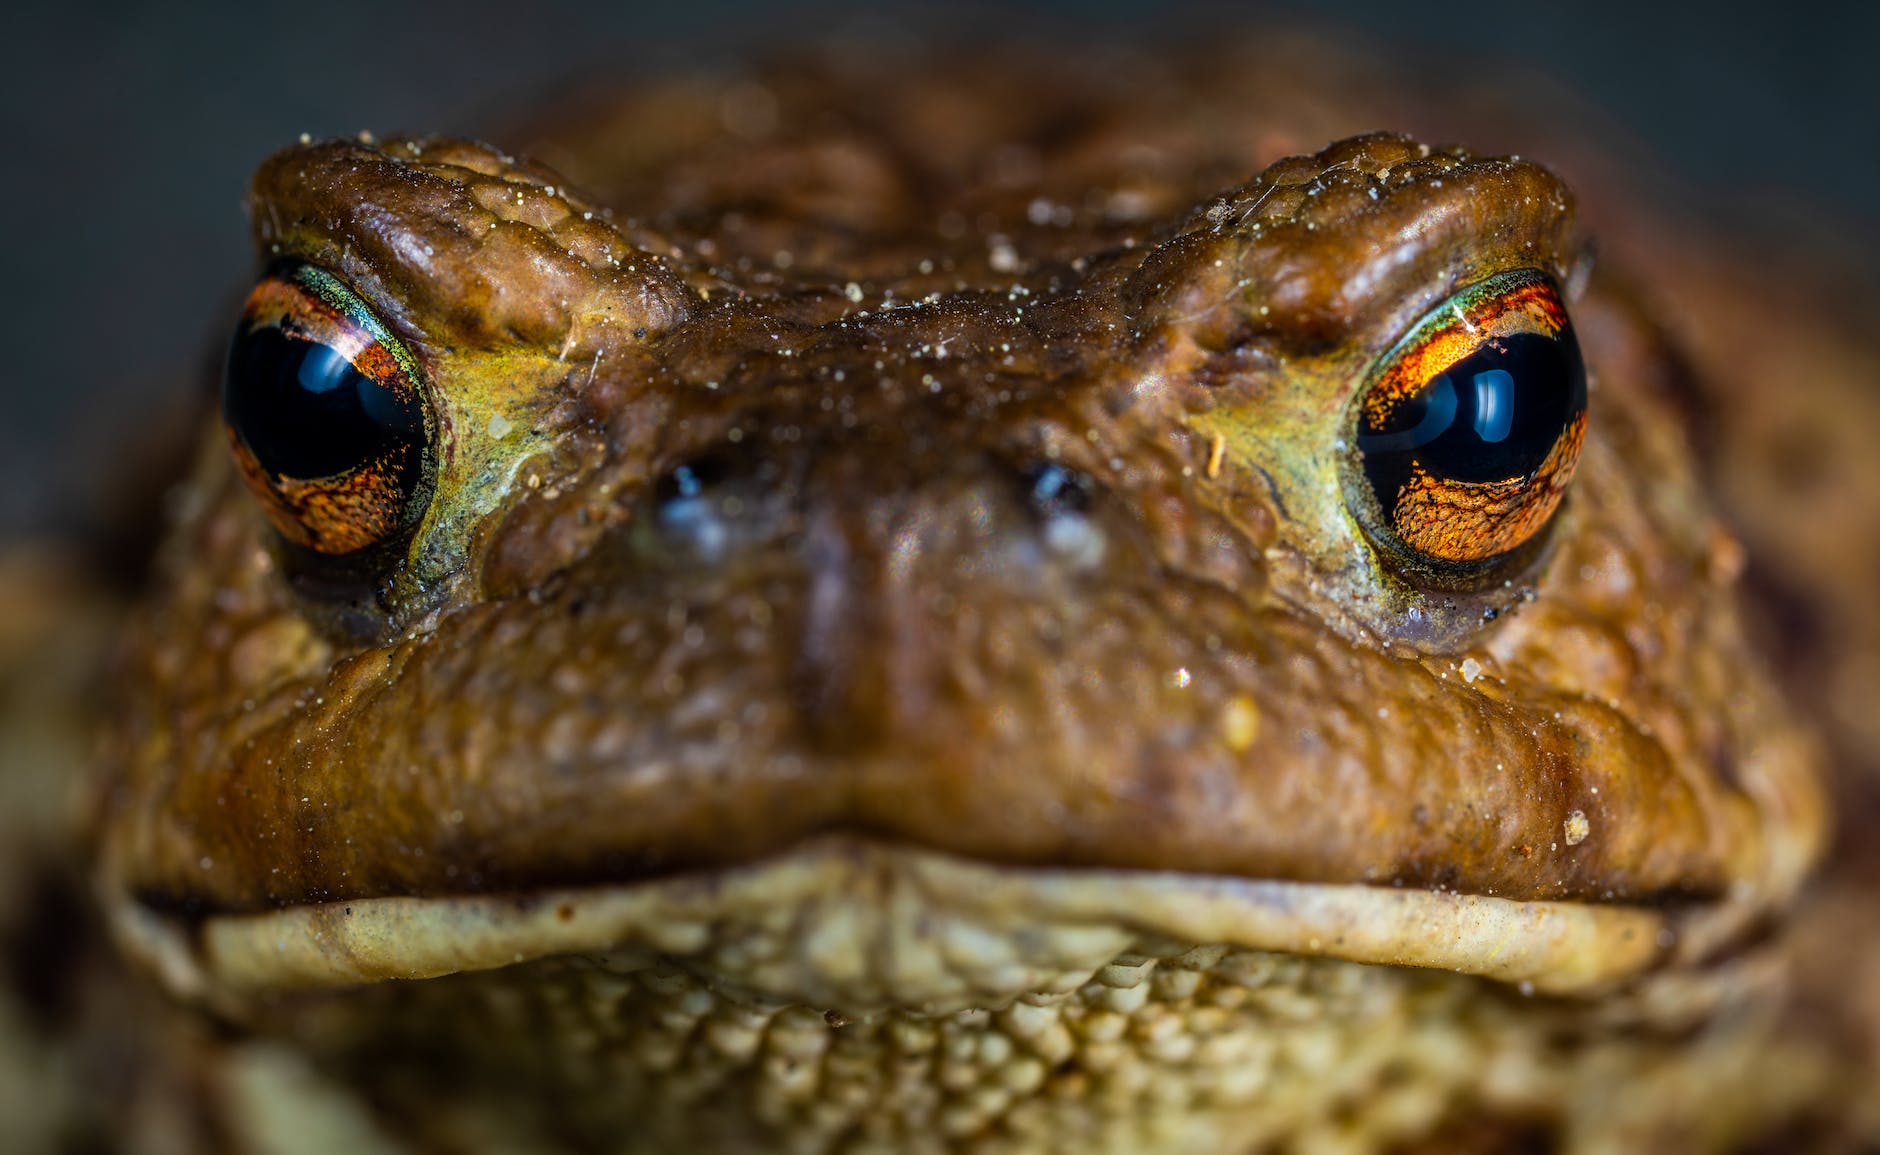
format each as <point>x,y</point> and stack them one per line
<point>972,614</point>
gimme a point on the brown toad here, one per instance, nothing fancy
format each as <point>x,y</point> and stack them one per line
<point>963,614</point>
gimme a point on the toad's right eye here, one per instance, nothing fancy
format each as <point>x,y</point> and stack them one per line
<point>327,414</point>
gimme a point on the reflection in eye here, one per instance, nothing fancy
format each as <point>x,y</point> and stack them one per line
<point>326,414</point>
<point>1470,428</point>
<point>1438,406</point>
<point>1494,404</point>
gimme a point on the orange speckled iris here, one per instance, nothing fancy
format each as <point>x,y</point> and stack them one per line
<point>1472,426</point>
<point>324,414</point>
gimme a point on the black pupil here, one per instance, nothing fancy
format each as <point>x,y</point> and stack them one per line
<point>305,412</point>
<point>1492,416</point>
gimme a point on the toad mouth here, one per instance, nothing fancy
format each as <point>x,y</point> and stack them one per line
<point>860,925</point>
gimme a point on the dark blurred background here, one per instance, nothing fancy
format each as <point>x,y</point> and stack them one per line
<point>131,127</point>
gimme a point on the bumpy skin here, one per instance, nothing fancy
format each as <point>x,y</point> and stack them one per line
<point>874,311</point>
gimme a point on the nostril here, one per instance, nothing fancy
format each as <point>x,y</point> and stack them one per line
<point>1053,490</point>
<point>1062,498</point>
<point>696,511</point>
<point>691,480</point>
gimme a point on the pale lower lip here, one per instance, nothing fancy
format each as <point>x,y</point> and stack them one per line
<point>847,922</point>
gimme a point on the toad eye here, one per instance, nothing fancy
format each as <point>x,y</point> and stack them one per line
<point>1469,429</point>
<point>327,414</point>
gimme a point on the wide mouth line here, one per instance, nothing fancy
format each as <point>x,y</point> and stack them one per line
<point>848,922</point>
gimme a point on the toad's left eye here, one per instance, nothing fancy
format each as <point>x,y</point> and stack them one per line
<point>327,414</point>
<point>1469,429</point>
